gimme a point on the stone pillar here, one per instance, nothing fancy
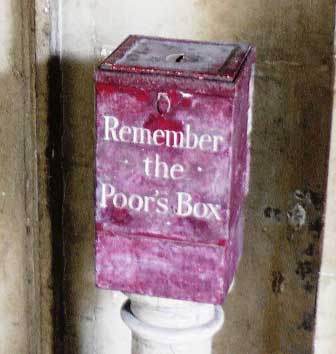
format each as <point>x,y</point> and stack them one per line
<point>166,326</point>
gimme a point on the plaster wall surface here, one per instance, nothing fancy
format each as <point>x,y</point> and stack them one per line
<point>326,313</point>
<point>17,277</point>
<point>272,308</point>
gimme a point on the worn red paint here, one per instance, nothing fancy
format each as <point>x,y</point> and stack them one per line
<point>146,242</point>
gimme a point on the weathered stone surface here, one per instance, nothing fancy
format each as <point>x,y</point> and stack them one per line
<point>289,153</point>
<point>19,326</point>
<point>325,314</point>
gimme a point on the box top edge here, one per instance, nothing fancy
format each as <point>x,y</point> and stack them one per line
<point>199,60</point>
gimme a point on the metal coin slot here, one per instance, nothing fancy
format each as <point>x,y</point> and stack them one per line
<point>177,58</point>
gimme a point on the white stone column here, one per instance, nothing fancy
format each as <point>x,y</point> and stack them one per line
<point>166,326</point>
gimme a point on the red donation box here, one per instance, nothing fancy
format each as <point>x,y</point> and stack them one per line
<point>172,166</point>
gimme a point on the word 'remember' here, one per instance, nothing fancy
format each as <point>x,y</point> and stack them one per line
<point>169,138</point>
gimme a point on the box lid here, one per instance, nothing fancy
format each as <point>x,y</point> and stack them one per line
<point>172,57</point>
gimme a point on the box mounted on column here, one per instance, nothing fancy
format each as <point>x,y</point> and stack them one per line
<point>172,166</point>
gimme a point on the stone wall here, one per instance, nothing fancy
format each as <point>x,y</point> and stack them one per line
<point>19,261</point>
<point>272,307</point>
<point>49,51</point>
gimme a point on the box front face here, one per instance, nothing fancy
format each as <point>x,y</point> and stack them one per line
<point>162,164</point>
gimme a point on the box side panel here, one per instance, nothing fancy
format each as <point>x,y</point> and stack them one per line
<point>151,251</point>
<point>160,268</point>
<point>134,194</point>
<point>242,115</point>
<point>233,250</point>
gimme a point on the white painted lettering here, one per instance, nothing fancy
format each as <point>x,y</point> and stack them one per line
<point>107,192</point>
<point>176,171</point>
<point>111,128</point>
<point>184,207</point>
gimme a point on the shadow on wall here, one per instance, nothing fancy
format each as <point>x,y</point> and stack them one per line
<point>54,156</point>
<point>86,310</point>
<point>272,308</point>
